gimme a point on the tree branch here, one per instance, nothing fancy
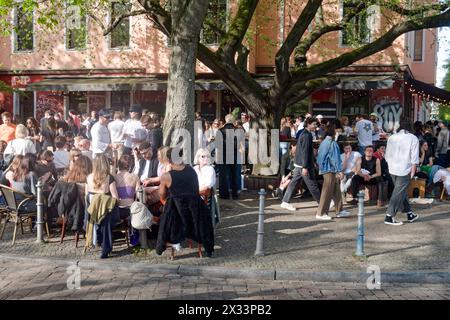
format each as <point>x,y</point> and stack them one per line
<point>114,23</point>
<point>380,44</point>
<point>391,5</point>
<point>236,32</point>
<point>303,90</point>
<point>294,36</point>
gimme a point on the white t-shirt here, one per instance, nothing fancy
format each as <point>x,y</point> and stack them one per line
<point>61,159</point>
<point>116,130</point>
<point>134,130</point>
<point>351,162</point>
<point>365,130</point>
<point>20,146</point>
<point>101,138</point>
<point>206,177</point>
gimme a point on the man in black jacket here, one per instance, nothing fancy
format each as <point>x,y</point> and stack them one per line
<point>304,166</point>
<point>228,169</point>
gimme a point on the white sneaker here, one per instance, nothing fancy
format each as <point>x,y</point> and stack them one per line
<point>324,217</point>
<point>288,206</point>
<point>177,247</point>
<point>343,214</point>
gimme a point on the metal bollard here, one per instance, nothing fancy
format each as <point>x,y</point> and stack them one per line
<point>142,233</point>
<point>260,238</point>
<point>360,239</point>
<point>40,212</point>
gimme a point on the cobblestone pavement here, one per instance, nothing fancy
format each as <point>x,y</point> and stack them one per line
<point>32,280</point>
<point>293,241</point>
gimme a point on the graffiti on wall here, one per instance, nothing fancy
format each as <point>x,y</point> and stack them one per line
<point>389,111</point>
<point>49,100</point>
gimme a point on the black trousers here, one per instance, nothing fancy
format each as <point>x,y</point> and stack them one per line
<point>309,180</point>
<point>227,173</point>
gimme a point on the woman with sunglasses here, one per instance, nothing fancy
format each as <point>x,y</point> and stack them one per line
<point>34,133</point>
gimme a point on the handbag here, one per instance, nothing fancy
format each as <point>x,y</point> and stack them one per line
<point>141,217</point>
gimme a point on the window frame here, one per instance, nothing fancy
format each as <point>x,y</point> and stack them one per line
<point>66,38</point>
<point>109,19</point>
<point>14,35</point>
<point>341,32</point>
<point>227,18</point>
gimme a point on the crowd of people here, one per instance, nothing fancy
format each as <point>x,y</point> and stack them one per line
<point>347,158</point>
<point>92,167</point>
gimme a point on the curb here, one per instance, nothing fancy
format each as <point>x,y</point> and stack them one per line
<point>429,277</point>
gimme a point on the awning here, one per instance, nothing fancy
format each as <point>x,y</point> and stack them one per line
<point>365,82</point>
<point>123,84</point>
<point>427,91</point>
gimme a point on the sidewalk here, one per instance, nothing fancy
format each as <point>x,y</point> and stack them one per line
<point>292,241</point>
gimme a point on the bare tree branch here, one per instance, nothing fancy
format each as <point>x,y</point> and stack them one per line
<point>118,19</point>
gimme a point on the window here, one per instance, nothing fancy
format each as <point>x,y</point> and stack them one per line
<point>76,27</point>
<point>215,20</point>
<point>120,35</point>
<point>418,45</point>
<point>357,31</point>
<point>414,45</point>
<point>23,29</point>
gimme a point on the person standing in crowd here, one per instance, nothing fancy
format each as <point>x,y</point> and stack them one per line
<point>76,119</point>
<point>330,167</point>
<point>20,145</point>
<point>245,122</point>
<point>402,156</point>
<point>429,138</point>
<point>304,163</point>
<point>154,134</point>
<point>377,128</point>
<point>442,144</point>
<point>85,148</point>
<point>7,129</point>
<point>205,172</point>
<point>116,128</point>
<point>48,134</point>
<point>346,127</point>
<point>285,134</point>
<point>47,115</point>
<point>133,132</point>
<point>228,171</point>
<point>61,124</point>
<point>101,138</point>
<point>34,133</point>
<point>364,130</point>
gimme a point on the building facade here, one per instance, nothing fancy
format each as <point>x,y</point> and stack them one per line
<point>79,68</point>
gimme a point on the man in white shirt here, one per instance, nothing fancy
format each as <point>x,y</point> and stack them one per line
<point>133,131</point>
<point>101,138</point>
<point>364,129</point>
<point>402,156</point>
<point>245,122</point>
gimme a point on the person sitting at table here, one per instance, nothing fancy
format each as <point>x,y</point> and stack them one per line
<point>368,172</point>
<point>443,175</point>
<point>286,169</point>
<point>21,177</point>
<point>146,168</point>
<point>101,183</point>
<point>185,213</point>
<point>127,186</point>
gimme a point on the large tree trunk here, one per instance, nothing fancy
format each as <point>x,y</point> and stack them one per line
<point>187,19</point>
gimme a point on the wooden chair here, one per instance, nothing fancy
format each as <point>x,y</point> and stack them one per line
<point>419,184</point>
<point>63,231</point>
<point>443,192</point>
<point>123,228</point>
<point>15,212</point>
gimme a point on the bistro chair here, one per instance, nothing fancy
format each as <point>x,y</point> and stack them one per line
<point>15,212</point>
